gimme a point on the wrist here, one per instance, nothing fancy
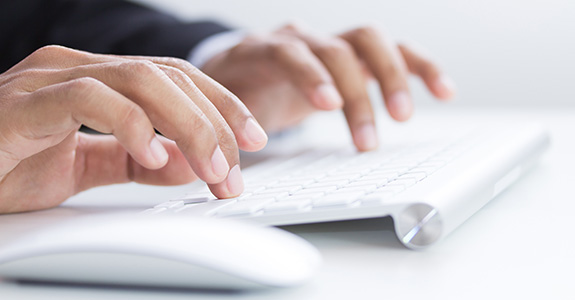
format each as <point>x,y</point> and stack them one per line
<point>213,46</point>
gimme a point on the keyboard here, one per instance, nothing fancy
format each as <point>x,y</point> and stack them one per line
<point>429,187</point>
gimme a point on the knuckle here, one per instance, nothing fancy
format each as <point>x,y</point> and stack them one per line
<point>335,49</point>
<point>83,84</point>
<point>55,57</point>
<point>179,63</point>
<point>427,68</point>
<point>133,117</point>
<point>52,53</point>
<point>292,26</point>
<point>227,140</point>
<point>199,124</point>
<point>368,32</point>
<point>201,129</point>
<point>178,76</point>
<point>140,69</point>
<point>80,88</point>
<point>285,48</point>
<point>51,50</point>
<point>224,131</point>
<point>393,72</point>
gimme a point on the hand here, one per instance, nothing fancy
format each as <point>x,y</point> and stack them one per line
<point>46,97</point>
<point>284,76</point>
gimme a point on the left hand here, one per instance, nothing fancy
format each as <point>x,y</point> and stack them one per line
<point>286,75</point>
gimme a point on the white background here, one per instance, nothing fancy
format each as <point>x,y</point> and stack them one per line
<point>499,52</point>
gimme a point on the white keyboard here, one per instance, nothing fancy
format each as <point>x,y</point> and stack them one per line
<point>327,185</point>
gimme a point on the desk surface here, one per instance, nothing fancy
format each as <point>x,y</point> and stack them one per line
<point>518,246</point>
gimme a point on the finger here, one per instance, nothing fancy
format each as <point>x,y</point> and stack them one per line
<point>419,64</point>
<point>345,68</point>
<point>102,160</point>
<point>233,184</point>
<point>63,107</point>
<point>248,133</point>
<point>171,111</point>
<point>385,62</point>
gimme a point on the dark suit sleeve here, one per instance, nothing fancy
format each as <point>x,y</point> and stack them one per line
<point>100,26</point>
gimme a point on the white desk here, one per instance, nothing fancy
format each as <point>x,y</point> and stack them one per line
<point>519,246</point>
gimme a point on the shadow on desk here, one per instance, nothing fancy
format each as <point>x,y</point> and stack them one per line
<point>127,288</point>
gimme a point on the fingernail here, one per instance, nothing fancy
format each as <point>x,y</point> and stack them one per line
<point>400,106</point>
<point>327,97</point>
<point>445,87</point>
<point>255,132</point>
<point>235,182</point>
<point>158,151</point>
<point>365,137</point>
<point>220,165</point>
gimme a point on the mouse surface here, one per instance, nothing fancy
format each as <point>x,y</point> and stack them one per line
<point>167,251</point>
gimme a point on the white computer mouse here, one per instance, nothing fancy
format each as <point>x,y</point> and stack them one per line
<point>168,251</point>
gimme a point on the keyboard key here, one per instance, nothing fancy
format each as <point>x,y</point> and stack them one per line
<point>358,189</point>
<point>171,204</point>
<point>260,197</point>
<point>419,176</point>
<point>254,188</point>
<point>335,183</point>
<point>279,190</point>
<point>272,194</point>
<point>261,182</point>
<point>293,205</point>
<point>376,183</point>
<point>154,211</point>
<point>405,181</point>
<point>426,170</point>
<point>319,190</point>
<point>383,176</point>
<point>200,196</point>
<point>431,164</point>
<point>244,207</point>
<point>301,197</point>
<point>297,181</point>
<point>309,177</point>
<point>192,200</point>
<point>391,188</point>
<point>407,161</point>
<point>395,169</point>
<point>204,209</point>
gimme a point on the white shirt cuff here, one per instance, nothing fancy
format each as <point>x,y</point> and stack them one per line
<point>214,45</point>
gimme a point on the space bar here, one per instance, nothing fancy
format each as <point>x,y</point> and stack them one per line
<point>204,209</point>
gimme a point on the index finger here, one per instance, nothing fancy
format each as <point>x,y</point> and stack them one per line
<point>385,62</point>
<point>345,68</point>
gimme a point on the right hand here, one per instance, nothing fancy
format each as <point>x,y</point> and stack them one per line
<point>286,75</point>
<point>45,99</point>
